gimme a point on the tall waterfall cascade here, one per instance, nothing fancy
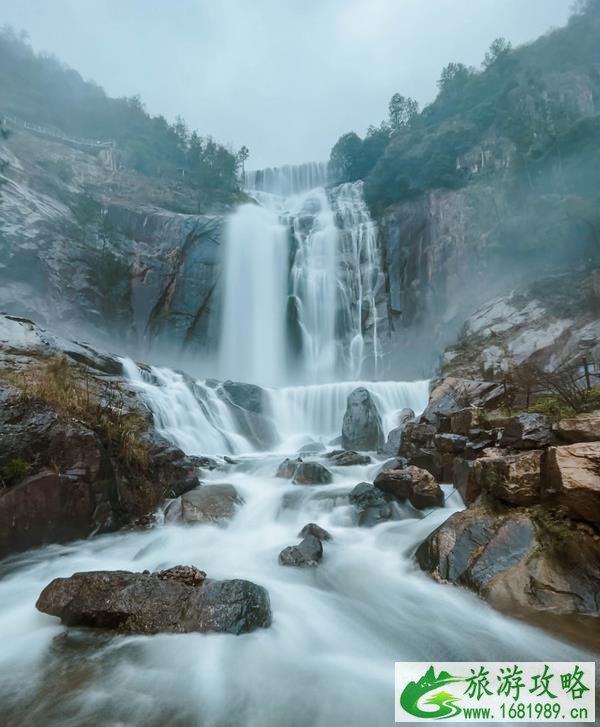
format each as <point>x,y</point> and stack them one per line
<point>304,287</point>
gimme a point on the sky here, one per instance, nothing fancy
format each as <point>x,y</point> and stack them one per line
<point>284,77</point>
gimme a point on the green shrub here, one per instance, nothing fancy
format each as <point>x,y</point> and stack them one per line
<point>14,471</point>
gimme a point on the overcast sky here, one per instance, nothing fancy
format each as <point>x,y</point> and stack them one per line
<point>284,77</point>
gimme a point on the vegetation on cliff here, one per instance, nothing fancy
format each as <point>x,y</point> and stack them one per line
<point>528,122</point>
<point>39,89</point>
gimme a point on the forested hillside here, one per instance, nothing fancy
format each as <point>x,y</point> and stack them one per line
<point>527,123</point>
<point>39,89</point>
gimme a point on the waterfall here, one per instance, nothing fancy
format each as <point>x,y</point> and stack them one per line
<point>302,282</point>
<point>318,410</point>
<point>314,283</point>
<point>197,419</point>
<point>289,179</point>
<point>361,280</point>
<point>253,338</point>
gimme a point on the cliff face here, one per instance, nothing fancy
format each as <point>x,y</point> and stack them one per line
<point>83,247</point>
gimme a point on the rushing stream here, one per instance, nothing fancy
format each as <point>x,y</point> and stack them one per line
<point>337,629</point>
<point>328,658</point>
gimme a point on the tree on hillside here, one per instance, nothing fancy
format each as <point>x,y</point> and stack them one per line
<point>402,109</point>
<point>242,156</point>
<point>499,49</point>
<point>453,77</point>
<point>346,158</point>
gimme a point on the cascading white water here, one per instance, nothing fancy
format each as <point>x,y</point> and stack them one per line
<point>314,282</point>
<point>361,279</point>
<point>194,416</point>
<point>317,411</point>
<point>288,180</point>
<point>328,658</point>
<point>334,281</point>
<point>253,340</point>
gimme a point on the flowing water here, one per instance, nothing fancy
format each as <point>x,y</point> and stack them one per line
<point>328,658</point>
<point>302,278</point>
<point>304,288</point>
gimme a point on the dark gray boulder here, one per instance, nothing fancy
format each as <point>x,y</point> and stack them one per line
<point>246,396</point>
<point>178,600</point>
<point>394,439</point>
<point>343,458</point>
<point>372,506</point>
<point>210,503</point>
<point>362,428</point>
<point>306,554</point>
<point>287,468</point>
<point>527,431</point>
<point>316,530</point>
<point>312,473</point>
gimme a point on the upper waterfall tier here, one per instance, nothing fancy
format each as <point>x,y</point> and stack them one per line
<point>289,179</point>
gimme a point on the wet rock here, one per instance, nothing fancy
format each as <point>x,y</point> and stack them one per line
<point>450,443</point>
<point>462,421</point>
<point>362,428</point>
<point>316,530</point>
<point>342,458</point>
<point>451,395</point>
<point>412,483</point>
<point>527,431</point>
<point>371,504</point>
<point>246,396</point>
<point>479,440</point>
<point>571,478</point>
<point>306,554</point>
<point>465,480</point>
<point>507,561</point>
<point>312,473</point>
<point>287,468</point>
<point>62,476</point>
<point>514,479</point>
<point>177,600</point>
<point>245,402</point>
<point>210,503</point>
<point>395,463</point>
<point>392,445</point>
<point>581,428</point>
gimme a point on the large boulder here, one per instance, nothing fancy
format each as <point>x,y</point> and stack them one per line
<point>571,478</point>
<point>306,554</point>
<point>178,600</point>
<point>210,504</point>
<point>580,428</point>
<point>450,443</point>
<point>412,483</point>
<point>515,479</point>
<point>465,480</point>
<point>527,431</point>
<point>362,428</point>
<point>312,473</point>
<point>61,478</point>
<point>452,395</point>
<point>394,438</point>
<point>372,506</point>
<point>316,530</point>
<point>342,458</point>
<point>516,563</point>
<point>246,404</point>
<point>286,469</point>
